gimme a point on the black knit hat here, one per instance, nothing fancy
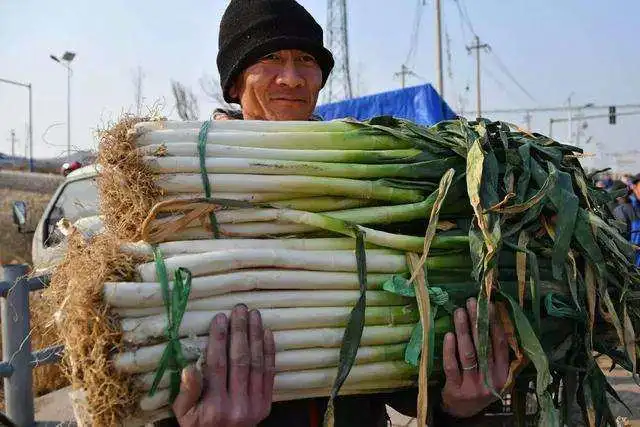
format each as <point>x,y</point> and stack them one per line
<point>251,29</point>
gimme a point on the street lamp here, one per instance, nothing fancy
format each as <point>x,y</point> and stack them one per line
<point>28,86</point>
<point>65,61</point>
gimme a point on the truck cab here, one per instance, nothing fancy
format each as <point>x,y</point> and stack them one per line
<point>75,200</point>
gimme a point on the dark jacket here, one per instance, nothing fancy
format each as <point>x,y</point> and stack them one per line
<point>629,213</point>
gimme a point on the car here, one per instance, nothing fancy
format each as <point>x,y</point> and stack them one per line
<point>75,201</point>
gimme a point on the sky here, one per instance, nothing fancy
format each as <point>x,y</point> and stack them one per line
<point>540,55</point>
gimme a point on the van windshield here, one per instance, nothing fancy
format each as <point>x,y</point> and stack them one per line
<point>78,199</point>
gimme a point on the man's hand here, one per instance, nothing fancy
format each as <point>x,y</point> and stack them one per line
<point>237,387</point>
<point>464,393</point>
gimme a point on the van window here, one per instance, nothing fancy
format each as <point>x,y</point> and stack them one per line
<point>78,199</point>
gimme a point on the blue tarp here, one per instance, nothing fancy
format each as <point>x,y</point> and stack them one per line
<point>420,104</point>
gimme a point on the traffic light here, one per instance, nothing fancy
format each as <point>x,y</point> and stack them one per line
<point>612,115</point>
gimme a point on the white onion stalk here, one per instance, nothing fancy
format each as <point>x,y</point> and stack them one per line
<point>350,140</point>
<point>248,126</point>
<point>149,294</point>
<point>378,261</point>
<point>368,215</point>
<point>171,165</point>
<point>190,149</point>
<point>257,197</point>
<point>246,230</point>
<point>145,329</point>
<point>161,398</point>
<point>300,360</point>
<point>274,299</point>
<point>181,247</point>
<point>297,382</point>
<point>321,204</point>
<point>311,185</point>
<point>146,359</point>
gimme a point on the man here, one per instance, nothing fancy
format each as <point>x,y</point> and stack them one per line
<point>273,63</point>
<point>629,213</point>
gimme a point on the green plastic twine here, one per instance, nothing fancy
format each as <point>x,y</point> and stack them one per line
<point>438,297</point>
<point>557,307</point>
<point>176,304</point>
<point>202,153</point>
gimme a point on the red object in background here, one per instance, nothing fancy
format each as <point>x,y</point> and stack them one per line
<point>70,167</point>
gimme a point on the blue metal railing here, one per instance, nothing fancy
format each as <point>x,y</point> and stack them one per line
<point>18,361</point>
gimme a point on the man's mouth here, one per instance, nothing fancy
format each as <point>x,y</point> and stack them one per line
<point>288,99</point>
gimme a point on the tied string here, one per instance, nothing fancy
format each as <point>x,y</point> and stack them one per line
<point>175,302</point>
<point>202,153</point>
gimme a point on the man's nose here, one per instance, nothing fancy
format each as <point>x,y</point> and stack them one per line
<point>290,76</point>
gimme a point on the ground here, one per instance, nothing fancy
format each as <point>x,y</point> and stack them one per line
<point>15,247</point>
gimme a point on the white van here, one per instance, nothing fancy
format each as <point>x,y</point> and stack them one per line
<point>76,200</point>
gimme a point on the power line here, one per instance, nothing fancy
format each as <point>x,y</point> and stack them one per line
<point>464,16</point>
<point>499,83</point>
<point>506,71</point>
<point>415,35</point>
<point>562,108</point>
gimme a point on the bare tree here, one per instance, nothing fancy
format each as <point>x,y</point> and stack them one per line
<point>211,88</point>
<point>186,101</point>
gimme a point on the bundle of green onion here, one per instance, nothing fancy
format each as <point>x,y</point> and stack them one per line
<point>321,227</point>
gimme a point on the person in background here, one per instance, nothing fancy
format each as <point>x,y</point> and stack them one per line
<point>629,214</point>
<point>607,181</point>
<point>273,63</point>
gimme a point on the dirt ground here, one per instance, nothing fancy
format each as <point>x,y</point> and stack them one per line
<point>15,247</point>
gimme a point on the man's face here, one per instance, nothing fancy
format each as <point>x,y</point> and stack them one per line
<point>283,85</point>
<point>636,189</point>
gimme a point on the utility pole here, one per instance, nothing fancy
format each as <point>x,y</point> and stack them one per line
<point>439,48</point>
<point>570,136</point>
<point>527,120</point>
<point>137,82</point>
<point>477,46</point>
<point>13,145</point>
<point>404,72</point>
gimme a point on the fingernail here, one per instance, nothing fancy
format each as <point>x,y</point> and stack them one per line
<point>254,315</point>
<point>184,377</point>
<point>241,308</point>
<point>221,322</point>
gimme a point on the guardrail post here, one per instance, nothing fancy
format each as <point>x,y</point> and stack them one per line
<point>16,346</point>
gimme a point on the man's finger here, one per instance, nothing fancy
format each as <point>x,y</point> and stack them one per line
<point>500,353</point>
<point>216,363</point>
<point>256,377</point>
<point>466,349</point>
<point>239,352</point>
<point>472,310</point>
<point>190,391</point>
<point>450,360</point>
<point>269,365</point>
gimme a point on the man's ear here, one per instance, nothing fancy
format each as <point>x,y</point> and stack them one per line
<point>233,91</point>
<point>236,88</point>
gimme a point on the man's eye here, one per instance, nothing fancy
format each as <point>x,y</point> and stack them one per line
<point>271,57</point>
<point>307,59</point>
